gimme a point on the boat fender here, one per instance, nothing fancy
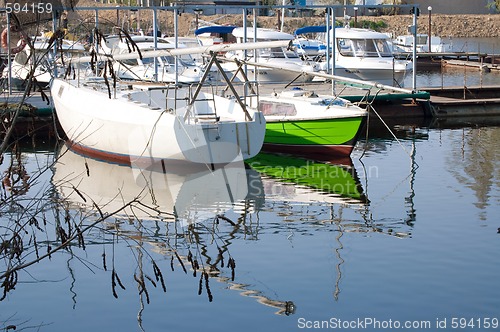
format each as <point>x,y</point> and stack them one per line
<point>20,45</point>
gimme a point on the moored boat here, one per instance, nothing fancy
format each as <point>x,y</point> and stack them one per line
<point>159,69</point>
<point>314,181</point>
<point>282,58</point>
<point>319,127</point>
<point>155,124</point>
<point>405,44</point>
<point>366,55</point>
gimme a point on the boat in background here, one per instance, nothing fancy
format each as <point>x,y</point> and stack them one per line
<point>48,58</point>
<point>280,57</point>
<point>310,42</point>
<point>366,55</point>
<point>405,43</point>
<point>160,69</point>
<point>302,123</point>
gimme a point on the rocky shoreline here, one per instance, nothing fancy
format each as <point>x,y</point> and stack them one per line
<point>454,26</point>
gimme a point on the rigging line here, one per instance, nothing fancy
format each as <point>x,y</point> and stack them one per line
<point>386,126</point>
<point>367,123</point>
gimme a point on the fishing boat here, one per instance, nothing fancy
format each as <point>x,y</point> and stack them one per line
<point>365,55</point>
<point>280,57</point>
<point>301,122</point>
<point>143,123</point>
<point>181,69</point>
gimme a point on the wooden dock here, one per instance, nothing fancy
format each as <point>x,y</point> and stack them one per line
<point>483,66</point>
<point>465,101</point>
<point>483,61</point>
<point>428,103</point>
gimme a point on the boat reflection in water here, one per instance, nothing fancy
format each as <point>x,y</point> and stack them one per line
<point>185,193</point>
<point>296,182</point>
<point>182,192</point>
<point>308,181</point>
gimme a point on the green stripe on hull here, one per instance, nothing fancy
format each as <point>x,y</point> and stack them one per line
<point>313,132</point>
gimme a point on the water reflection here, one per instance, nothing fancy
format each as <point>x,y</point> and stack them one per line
<point>186,193</point>
<point>478,158</point>
<point>320,181</point>
<point>184,220</point>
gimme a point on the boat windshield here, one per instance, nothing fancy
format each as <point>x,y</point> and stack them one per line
<point>184,60</point>
<point>364,47</point>
<point>277,52</point>
<point>421,40</point>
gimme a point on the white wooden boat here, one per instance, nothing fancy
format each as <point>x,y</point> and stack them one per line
<point>160,69</point>
<point>366,55</point>
<point>156,123</point>
<point>284,56</point>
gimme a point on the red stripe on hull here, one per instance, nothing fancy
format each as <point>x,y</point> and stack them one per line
<point>161,165</point>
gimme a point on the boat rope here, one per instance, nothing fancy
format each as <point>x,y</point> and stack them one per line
<point>369,108</point>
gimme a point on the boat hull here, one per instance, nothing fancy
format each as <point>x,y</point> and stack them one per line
<point>129,128</point>
<point>303,123</point>
<point>322,139</point>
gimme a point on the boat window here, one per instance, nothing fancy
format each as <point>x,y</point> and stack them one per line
<point>270,108</point>
<point>129,62</point>
<point>290,54</point>
<point>167,60</point>
<point>365,47</point>
<point>344,46</point>
<point>383,47</point>
<point>277,52</point>
<point>147,61</point>
<point>421,39</point>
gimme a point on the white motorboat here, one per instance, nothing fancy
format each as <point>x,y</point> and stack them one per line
<point>45,59</point>
<point>160,69</point>
<point>405,44</point>
<point>282,58</point>
<point>366,55</point>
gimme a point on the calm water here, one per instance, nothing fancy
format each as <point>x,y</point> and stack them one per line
<point>408,235</point>
<point>456,76</point>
